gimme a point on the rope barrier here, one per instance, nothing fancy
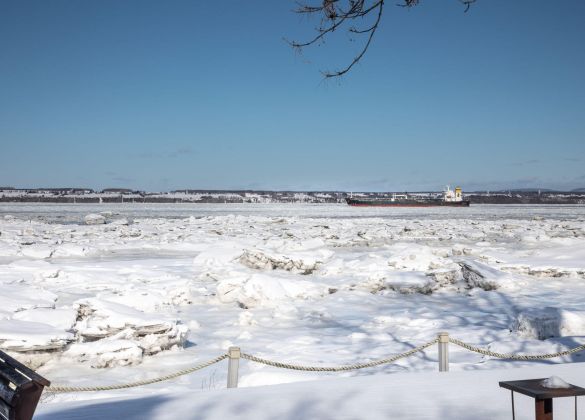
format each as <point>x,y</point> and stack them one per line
<point>343,368</point>
<point>63,388</point>
<point>338,368</point>
<point>515,356</point>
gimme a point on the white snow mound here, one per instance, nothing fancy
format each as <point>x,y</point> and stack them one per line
<point>555,382</point>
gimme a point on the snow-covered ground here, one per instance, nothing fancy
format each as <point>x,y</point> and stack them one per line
<point>462,395</point>
<point>103,294</point>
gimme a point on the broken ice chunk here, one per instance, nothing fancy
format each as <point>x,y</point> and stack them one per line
<point>94,219</point>
<point>25,336</point>
<point>17,297</point>
<point>103,323</point>
<point>548,322</point>
<point>106,353</point>
<point>488,278</point>
<point>410,282</point>
<point>263,290</point>
<point>304,263</point>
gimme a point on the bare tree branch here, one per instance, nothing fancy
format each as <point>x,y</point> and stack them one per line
<point>371,31</point>
<point>334,14</point>
<point>467,4</point>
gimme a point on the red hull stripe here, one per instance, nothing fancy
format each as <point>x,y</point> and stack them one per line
<point>409,205</point>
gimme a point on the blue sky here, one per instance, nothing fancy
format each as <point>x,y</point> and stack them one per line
<point>162,95</point>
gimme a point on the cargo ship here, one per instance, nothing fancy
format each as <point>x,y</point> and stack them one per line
<point>450,198</point>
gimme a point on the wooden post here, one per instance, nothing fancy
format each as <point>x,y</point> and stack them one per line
<point>544,409</point>
<point>233,366</point>
<point>443,352</point>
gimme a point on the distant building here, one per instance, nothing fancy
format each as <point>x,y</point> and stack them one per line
<point>58,191</point>
<point>119,191</point>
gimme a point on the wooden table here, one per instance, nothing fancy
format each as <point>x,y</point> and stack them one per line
<point>543,397</point>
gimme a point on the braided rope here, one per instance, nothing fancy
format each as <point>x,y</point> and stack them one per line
<point>252,358</point>
<point>515,356</point>
<point>63,388</point>
<point>338,368</point>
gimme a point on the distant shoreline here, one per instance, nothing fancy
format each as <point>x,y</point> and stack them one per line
<point>126,195</point>
<point>474,199</point>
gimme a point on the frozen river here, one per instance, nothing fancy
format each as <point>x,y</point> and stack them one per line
<point>74,213</point>
<point>159,287</point>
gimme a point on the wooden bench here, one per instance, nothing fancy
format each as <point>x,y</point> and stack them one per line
<point>20,389</point>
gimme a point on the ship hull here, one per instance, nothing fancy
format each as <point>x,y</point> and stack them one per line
<point>405,203</point>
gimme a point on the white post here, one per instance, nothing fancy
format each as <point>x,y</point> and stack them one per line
<point>233,365</point>
<point>443,352</point>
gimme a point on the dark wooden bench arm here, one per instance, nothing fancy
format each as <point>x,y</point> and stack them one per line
<point>20,389</point>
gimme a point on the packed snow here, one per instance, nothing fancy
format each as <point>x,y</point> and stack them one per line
<point>105,294</point>
<point>463,395</point>
<point>554,382</point>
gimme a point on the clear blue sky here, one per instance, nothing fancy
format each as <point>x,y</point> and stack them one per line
<point>161,95</point>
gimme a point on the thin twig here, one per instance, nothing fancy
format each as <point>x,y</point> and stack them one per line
<point>336,13</point>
